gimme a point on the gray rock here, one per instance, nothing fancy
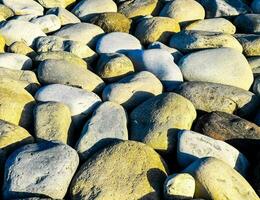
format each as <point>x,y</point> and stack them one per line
<point>254,62</point>
<point>48,23</point>
<point>15,61</point>
<point>250,44</point>
<point>248,23</point>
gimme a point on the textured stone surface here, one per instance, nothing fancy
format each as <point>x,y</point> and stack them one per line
<point>250,44</point>
<point>48,23</point>
<point>56,3</point>
<point>15,61</point>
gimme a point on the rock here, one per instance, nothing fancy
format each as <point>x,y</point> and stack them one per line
<point>22,48</point>
<point>2,44</point>
<point>180,10</point>
<point>57,3</point>
<point>108,123</point>
<point>26,18</point>
<point>248,23</point>
<point>256,86</point>
<point>164,114</point>
<point>254,62</point>
<point>217,97</point>
<point>52,121</point>
<point>11,35</point>
<point>50,166</point>
<point>192,146</point>
<point>81,32</point>
<point>24,7</point>
<point>250,44</point>
<point>48,23</point>
<point>63,72</point>
<point>133,89</point>
<point>64,15</point>
<point>175,53</point>
<point>6,12</point>
<point>112,22</point>
<point>255,5</point>
<point>15,61</point>
<point>187,41</point>
<point>137,8</point>
<point>137,174</point>
<point>255,178</point>
<point>62,55</point>
<point>212,183</point>
<point>13,136</point>
<point>160,63</point>
<point>117,42</point>
<point>86,9</point>
<point>222,8</point>
<point>113,67</point>
<point>80,102</point>
<point>179,186</point>
<point>220,25</point>
<point>156,29</point>
<point>229,67</point>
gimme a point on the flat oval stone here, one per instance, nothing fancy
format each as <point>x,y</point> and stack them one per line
<point>127,173</point>
<point>50,166</point>
<point>108,123</point>
<point>15,61</point>
<point>250,44</point>
<point>22,48</point>
<point>224,65</point>
<point>164,114</point>
<point>48,23</point>
<point>133,89</point>
<point>187,41</point>
<point>248,23</point>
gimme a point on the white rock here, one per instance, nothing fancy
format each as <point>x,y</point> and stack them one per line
<point>86,8</point>
<point>160,63</point>
<point>117,42</point>
<point>192,146</point>
<point>18,30</point>
<point>15,61</point>
<point>48,23</point>
<point>26,18</point>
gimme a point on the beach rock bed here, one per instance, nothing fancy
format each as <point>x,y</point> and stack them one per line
<point>130,99</point>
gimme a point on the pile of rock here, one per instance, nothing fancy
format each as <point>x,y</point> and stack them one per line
<point>130,99</point>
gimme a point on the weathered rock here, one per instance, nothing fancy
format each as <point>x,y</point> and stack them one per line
<point>15,61</point>
<point>254,62</point>
<point>213,183</point>
<point>22,48</point>
<point>217,97</point>
<point>248,23</point>
<point>2,43</point>
<point>48,23</point>
<point>52,121</point>
<point>56,3</point>
<point>187,41</point>
<point>108,123</point>
<point>6,12</point>
<point>26,18</point>
<point>50,166</point>
<point>250,44</point>
<point>229,67</point>
<point>183,10</point>
<point>164,114</point>
<point>137,174</point>
<point>63,72</point>
<point>133,89</point>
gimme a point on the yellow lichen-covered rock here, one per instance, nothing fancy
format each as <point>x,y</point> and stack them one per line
<point>216,180</point>
<point>2,44</point>
<point>125,170</point>
<point>13,136</point>
<point>5,11</point>
<point>156,29</point>
<point>21,48</point>
<point>56,3</point>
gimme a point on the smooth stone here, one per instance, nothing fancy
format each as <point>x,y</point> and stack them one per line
<point>159,62</point>
<point>217,97</point>
<point>229,67</point>
<point>220,25</point>
<point>133,89</point>
<point>156,29</point>
<point>137,8</point>
<point>24,7</point>
<point>15,61</point>
<point>113,67</point>
<point>256,86</point>
<point>117,42</point>
<point>192,146</point>
<point>179,186</point>
<point>22,48</point>
<point>13,136</point>
<point>175,53</point>
<point>50,166</point>
<point>63,72</point>
<point>52,121</point>
<point>11,35</point>
<point>80,102</point>
<point>56,3</point>
<point>186,41</point>
<point>254,62</point>
<point>248,23</point>
<point>2,44</point>
<point>26,18</point>
<point>183,10</point>
<point>112,22</point>
<point>6,12</point>
<point>164,114</point>
<point>135,171</point>
<point>255,5</point>
<point>81,32</point>
<point>48,23</point>
<point>213,183</point>
<point>250,44</point>
<point>220,8</point>
<point>108,123</point>
<point>65,16</point>
<point>85,9</point>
